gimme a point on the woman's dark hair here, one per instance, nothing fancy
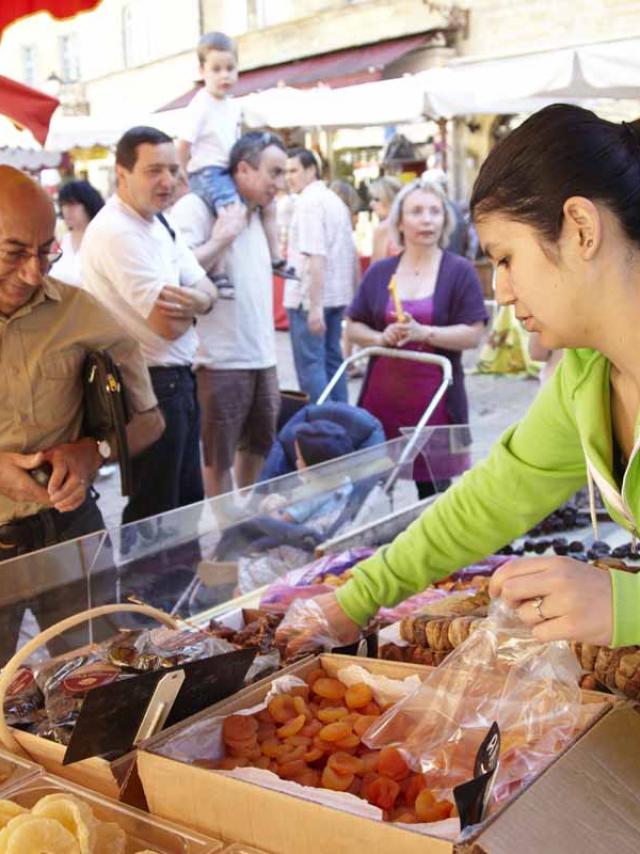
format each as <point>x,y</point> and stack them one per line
<point>81,193</point>
<point>127,147</point>
<point>306,157</point>
<point>559,152</point>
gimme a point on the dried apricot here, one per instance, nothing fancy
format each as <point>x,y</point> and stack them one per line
<point>313,754</point>
<point>309,777</point>
<point>414,785</point>
<point>274,748</point>
<point>371,708</point>
<point>301,691</point>
<point>297,740</point>
<point>362,724</point>
<point>336,782</point>
<point>314,675</point>
<point>435,811</point>
<point>281,708</point>
<point>382,792</point>
<point>293,752</point>
<point>359,695</point>
<point>292,768</point>
<point>345,763</point>
<point>311,729</point>
<point>370,761</point>
<point>392,764</point>
<point>292,727</point>
<point>424,805</point>
<point>329,689</point>
<point>301,708</point>
<point>334,731</point>
<point>406,816</point>
<point>264,715</point>
<point>332,713</point>
<point>349,742</point>
<point>262,762</point>
<point>238,727</point>
<point>266,730</point>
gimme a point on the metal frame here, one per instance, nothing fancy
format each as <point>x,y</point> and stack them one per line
<point>411,355</point>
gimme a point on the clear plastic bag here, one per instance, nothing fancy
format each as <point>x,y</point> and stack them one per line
<point>501,673</point>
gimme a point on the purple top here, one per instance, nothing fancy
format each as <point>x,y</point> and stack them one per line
<point>457,298</point>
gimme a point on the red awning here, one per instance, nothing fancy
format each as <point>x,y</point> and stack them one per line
<point>13,10</point>
<point>27,107</point>
<point>338,68</point>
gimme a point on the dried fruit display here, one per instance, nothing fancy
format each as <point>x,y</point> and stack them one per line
<point>58,824</point>
<point>314,737</point>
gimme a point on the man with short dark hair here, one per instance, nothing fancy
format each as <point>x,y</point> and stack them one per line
<point>135,263</point>
<point>323,254</point>
<point>236,360</point>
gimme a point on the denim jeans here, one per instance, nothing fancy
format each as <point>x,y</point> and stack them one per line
<point>215,186</point>
<point>318,357</point>
<point>167,474</point>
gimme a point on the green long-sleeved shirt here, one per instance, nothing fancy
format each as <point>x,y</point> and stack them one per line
<point>535,466</point>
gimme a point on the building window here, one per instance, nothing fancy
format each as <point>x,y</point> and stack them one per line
<point>151,30</point>
<point>69,59</point>
<point>29,63</point>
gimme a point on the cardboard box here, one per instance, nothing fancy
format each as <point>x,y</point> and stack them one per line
<point>276,822</point>
<point>108,778</point>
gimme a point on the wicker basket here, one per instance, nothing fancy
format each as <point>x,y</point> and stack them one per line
<point>108,778</point>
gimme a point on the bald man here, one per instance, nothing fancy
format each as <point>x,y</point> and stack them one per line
<point>46,330</point>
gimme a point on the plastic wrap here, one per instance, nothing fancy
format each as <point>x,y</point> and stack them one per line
<point>305,629</point>
<point>503,674</point>
<point>320,576</point>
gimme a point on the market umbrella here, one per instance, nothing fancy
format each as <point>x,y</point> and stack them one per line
<point>27,107</point>
<point>13,10</point>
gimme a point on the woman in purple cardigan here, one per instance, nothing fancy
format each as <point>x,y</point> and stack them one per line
<point>443,311</point>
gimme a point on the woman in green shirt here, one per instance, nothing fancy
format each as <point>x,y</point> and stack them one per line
<point>557,209</point>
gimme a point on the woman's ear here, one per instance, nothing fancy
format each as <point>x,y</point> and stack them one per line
<point>582,225</point>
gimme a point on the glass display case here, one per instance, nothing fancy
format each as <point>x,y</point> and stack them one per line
<point>219,554</point>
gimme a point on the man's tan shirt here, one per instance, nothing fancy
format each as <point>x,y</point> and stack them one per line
<point>42,351</point>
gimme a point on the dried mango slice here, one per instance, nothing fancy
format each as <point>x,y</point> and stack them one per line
<point>110,838</point>
<point>33,834</point>
<point>9,810</point>
<point>73,814</point>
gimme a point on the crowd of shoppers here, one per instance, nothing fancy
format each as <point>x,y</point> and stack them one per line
<point>173,277</point>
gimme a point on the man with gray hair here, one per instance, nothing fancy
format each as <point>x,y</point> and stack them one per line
<point>236,359</point>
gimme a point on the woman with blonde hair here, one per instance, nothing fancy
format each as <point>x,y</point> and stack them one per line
<point>381,194</point>
<point>443,312</point>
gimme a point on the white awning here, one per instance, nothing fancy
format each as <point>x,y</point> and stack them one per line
<point>581,74</point>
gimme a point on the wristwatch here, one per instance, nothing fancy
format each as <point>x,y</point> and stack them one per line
<point>104,449</point>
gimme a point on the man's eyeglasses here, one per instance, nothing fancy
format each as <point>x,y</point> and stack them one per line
<point>18,257</point>
<point>376,199</point>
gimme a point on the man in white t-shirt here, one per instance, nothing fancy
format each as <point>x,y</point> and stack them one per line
<point>323,254</point>
<point>135,263</point>
<point>236,359</point>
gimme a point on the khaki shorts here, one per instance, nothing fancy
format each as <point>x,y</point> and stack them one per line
<point>239,411</point>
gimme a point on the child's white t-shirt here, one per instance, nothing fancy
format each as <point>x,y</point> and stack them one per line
<point>211,125</point>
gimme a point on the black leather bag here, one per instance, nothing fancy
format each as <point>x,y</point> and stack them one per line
<point>106,413</point>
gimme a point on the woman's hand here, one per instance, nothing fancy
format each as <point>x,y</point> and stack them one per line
<point>409,330</point>
<point>394,335</point>
<point>310,623</point>
<point>562,598</point>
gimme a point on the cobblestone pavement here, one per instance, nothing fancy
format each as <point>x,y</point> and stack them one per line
<point>495,403</point>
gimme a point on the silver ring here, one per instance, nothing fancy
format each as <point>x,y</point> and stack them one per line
<point>537,604</point>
